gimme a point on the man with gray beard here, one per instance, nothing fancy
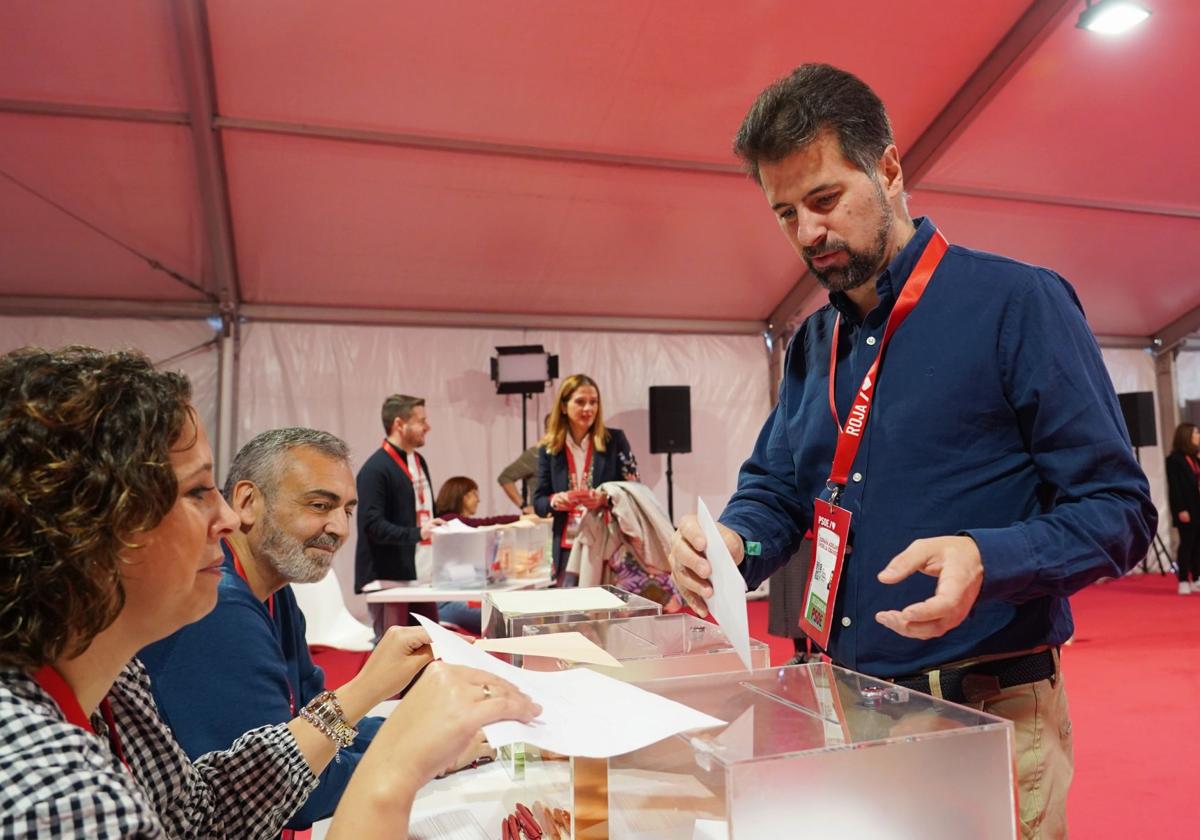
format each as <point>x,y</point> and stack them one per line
<point>246,664</point>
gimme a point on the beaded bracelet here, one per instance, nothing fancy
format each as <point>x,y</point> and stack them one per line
<point>324,712</point>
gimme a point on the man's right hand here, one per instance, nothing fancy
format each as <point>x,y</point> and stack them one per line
<point>689,564</point>
<point>427,528</point>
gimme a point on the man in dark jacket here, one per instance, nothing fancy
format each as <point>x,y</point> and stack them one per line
<point>396,509</point>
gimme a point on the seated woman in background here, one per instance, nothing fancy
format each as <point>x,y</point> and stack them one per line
<point>578,454</point>
<point>110,529</point>
<point>458,498</point>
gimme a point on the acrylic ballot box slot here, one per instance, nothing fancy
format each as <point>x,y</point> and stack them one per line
<point>506,614</point>
<point>812,751</point>
<point>654,646</point>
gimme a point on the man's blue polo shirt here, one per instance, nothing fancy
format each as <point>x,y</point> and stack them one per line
<point>993,416</point>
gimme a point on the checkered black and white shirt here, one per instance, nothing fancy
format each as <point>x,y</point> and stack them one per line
<point>56,780</point>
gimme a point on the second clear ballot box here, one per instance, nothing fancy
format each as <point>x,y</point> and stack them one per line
<point>655,646</point>
<point>808,751</point>
<point>506,614</point>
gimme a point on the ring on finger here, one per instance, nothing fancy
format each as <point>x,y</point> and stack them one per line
<point>487,692</point>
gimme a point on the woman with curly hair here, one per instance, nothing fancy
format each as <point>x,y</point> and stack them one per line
<point>110,527</point>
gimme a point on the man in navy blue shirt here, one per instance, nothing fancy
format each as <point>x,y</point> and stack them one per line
<point>246,664</point>
<point>994,460</point>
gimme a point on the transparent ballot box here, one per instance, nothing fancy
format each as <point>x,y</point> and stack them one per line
<point>506,614</point>
<point>465,559</point>
<point>809,751</point>
<point>654,646</point>
<point>525,549</point>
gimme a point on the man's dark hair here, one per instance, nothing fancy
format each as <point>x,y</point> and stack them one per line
<point>85,469</point>
<point>398,405</point>
<point>814,98</point>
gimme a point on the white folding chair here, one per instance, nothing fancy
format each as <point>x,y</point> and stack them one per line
<point>329,624</point>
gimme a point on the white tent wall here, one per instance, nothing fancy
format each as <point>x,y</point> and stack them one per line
<point>335,377</point>
<point>1133,370</point>
<point>1187,376</point>
<point>182,345</point>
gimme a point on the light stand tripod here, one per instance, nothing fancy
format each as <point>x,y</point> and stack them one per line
<point>1162,557</point>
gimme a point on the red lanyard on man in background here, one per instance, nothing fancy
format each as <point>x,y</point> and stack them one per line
<point>241,571</point>
<point>63,695</point>
<point>831,523</point>
<point>402,464</point>
<point>423,514</point>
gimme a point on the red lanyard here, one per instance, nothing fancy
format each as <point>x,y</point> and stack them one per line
<point>587,465</point>
<point>850,436</point>
<point>1193,464</point>
<point>60,691</point>
<point>400,462</point>
<point>241,570</point>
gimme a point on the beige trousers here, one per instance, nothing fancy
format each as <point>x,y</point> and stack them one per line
<point>1045,757</point>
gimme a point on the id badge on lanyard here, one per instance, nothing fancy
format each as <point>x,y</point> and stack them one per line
<point>831,523</point>
<point>571,530</point>
<point>576,514</point>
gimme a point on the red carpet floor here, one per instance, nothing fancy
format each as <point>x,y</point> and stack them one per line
<point>1133,681</point>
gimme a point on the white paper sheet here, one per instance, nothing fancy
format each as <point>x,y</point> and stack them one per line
<point>572,647</point>
<point>711,830</point>
<point>728,601</point>
<point>556,600</point>
<point>454,526</point>
<point>583,713</point>
<point>452,825</point>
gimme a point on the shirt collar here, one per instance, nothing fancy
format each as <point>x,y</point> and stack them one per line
<point>892,279</point>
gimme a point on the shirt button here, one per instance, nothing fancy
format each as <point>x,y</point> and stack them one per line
<point>871,340</point>
<point>845,621</point>
<point>857,476</point>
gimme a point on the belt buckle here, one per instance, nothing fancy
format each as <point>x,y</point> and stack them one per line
<point>978,688</point>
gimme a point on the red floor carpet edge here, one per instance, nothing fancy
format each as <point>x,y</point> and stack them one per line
<point>1133,683</point>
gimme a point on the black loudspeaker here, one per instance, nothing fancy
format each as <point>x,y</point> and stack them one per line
<point>670,418</point>
<point>1138,408</point>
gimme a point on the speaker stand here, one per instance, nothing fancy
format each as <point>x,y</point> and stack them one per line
<point>670,491</point>
<point>525,445</point>
<point>1162,557</point>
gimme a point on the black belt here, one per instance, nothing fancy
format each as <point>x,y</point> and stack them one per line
<point>983,680</point>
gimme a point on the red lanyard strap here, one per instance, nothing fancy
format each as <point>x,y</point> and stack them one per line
<point>63,695</point>
<point>587,465</point>
<point>402,464</point>
<point>850,435</point>
<point>241,571</point>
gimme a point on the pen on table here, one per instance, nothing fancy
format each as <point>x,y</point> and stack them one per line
<point>525,817</point>
<point>546,821</point>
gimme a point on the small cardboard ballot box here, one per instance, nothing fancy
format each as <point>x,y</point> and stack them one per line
<point>653,646</point>
<point>466,558</point>
<point>506,614</point>
<point>810,750</point>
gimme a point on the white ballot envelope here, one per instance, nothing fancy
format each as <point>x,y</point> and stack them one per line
<point>727,604</point>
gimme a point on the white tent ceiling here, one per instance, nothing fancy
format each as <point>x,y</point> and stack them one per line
<point>536,158</point>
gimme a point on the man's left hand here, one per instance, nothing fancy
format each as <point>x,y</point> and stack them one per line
<point>956,563</point>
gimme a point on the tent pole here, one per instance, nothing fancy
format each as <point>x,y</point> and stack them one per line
<point>229,346</point>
